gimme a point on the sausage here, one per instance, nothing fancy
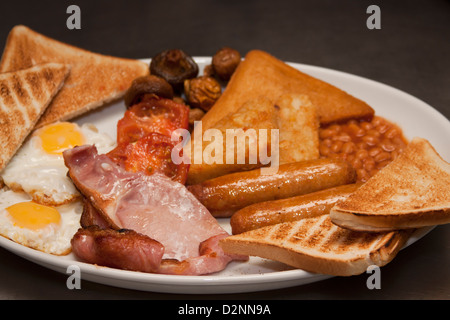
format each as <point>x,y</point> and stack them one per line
<point>224,195</point>
<point>291,209</point>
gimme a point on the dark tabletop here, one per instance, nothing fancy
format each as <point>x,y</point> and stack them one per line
<point>410,52</point>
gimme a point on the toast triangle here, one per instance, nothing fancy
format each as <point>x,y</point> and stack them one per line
<point>411,192</point>
<point>317,245</point>
<point>94,79</point>
<point>24,96</point>
<point>262,74</point>
<point>248,120</point>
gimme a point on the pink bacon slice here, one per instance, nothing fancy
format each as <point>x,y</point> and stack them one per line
<point>154,206</point>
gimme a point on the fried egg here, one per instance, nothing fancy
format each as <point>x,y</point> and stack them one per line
<point>38,167</point>
<point>44,228</point>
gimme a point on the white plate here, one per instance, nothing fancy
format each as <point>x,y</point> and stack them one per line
<point>415,117</point>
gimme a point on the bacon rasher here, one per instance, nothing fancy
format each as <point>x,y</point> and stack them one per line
<point>152,205</point>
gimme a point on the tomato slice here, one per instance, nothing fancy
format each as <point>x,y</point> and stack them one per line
<point>144,137</point>
<point>149,154</point>
<point>153,114</point>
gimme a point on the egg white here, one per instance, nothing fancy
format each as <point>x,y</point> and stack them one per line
<point>44,176</point>
<point>53,238</point>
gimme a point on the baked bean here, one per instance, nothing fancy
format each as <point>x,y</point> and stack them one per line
<point>362,153</point>
<point>356,163</point>
<point>362,145</point>
<point>324,150</point>
<point>366,125</point>
<point>387,145</point>
<point>336,146</point>
<point>382,128</point>
<point>369,164</point>
<point>351,157</point>
<point>342,137</point>
<point>376,121</point>
<point>391,133</point>
<point>383,164</point>
<point>373,132</point>
<point>370,140</point>
<point>362,175</point>
<point>348,147</point>
<point>382,156</point>
<point>355,130</point>
<point>328,142</point>
<point>374,151</point>
<point>327,133</point>
<point>367,145</point>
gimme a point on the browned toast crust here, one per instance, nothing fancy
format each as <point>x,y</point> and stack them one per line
<point>411,192</point>
<point>262,74</point>
<point>25,94</point>
<point>94,79</point>
<point>317,245</point>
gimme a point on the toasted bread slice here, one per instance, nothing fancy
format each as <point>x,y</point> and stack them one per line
<point>24,95</point>
<point>94,79</point>
<point>242,134</point>
<point>317,245</point>
<point>299,128</point>
<point>412,191</point>
<point>262,74</point>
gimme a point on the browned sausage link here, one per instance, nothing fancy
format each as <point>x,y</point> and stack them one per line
<point>291,209</point>
<point>226,194</point>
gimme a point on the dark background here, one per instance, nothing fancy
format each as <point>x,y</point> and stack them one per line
<point>411,52</point>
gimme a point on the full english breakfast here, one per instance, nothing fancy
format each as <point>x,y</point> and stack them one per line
<point>340,196</point>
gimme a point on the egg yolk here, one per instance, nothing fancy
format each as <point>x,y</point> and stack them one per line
<point>32,215</point>
<point>60,136</point>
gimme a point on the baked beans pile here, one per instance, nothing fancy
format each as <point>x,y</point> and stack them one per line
<point>368,146</point>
